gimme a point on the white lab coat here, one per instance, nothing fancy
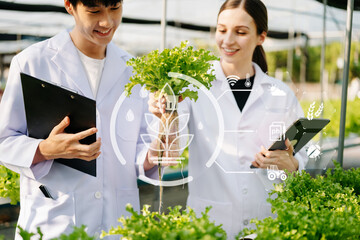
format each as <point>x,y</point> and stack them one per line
<point>79,198</point>
<point>235,195</point>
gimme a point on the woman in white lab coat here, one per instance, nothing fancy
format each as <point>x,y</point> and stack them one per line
<point>75,198</point>
<point>253,106</point>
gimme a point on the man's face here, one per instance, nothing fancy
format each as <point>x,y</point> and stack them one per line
<point>95,26</point>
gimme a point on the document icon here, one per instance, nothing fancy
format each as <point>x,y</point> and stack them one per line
<point>277,131</point>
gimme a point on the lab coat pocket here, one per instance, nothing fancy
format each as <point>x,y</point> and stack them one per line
<point>53,216</point>
<point>125,196</point>
<point>129,119</point>
<point>220,212</point>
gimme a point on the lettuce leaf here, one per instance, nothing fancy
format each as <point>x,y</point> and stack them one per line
<point>152,69</point>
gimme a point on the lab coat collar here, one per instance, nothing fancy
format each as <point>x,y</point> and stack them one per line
<point>261,82</point>
<point>115,65</point>
<point>67,59</point>
<point>260,76</point>
<point>223,92</point>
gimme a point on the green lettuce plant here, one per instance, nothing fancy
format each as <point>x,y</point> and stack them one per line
<point>9,185</point>
<point>325,207</point>
<point>78,233</point>
<point>152,72</point>
<point>152,69</point>
<point>176,225</point>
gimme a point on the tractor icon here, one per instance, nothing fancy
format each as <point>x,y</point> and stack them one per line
<point>273,172</point>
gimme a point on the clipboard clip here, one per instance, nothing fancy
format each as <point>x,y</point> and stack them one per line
<point>59,85</point>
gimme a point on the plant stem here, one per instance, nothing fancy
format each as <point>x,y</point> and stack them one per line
<point>164,131</point>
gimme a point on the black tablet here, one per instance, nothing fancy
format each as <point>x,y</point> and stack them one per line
<point>300,133</point>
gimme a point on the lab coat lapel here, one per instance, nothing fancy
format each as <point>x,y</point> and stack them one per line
<point>114,67</point>
<point>68,60</point>
<point>258,88</point>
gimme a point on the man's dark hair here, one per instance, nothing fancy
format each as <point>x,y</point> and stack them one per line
<point>93,3</point>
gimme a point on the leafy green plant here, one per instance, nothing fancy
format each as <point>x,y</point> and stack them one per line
<point>177,225</point>
<point>325,207</point>
<point>79,233</point>
<point>27,235</point>
<point>152,69</point>
<point>9,185</point>
<point>349,178</point>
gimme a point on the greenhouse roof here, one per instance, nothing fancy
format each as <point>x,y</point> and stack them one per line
<point>342,3</point>
<point>141,32</point>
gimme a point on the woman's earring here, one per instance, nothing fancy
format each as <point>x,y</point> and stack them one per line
<point>247,81</point>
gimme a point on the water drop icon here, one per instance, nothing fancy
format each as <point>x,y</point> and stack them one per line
<point>200,126</point>
<point>130,116</point>
<point>143,93</point>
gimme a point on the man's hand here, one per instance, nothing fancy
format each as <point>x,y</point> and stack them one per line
<point>64,145</point>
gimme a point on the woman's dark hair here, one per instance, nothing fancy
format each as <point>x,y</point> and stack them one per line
<point>257,10</point>
<point>93,3</point>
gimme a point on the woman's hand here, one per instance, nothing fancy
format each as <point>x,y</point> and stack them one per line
<point>284,159</point>
<point>157,105</point>
<point>64,145</point>
<point>152,155</point>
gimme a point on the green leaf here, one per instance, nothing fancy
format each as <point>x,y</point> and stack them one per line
<point>25,234</point>
<point>9,185</point>
<point>78,233</point>
<point>152,69</point>
<point>324,207</point>
<point>176,225</point>
<point>190,94</point>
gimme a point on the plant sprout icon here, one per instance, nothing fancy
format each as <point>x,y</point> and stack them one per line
<point>168,139</point>
<point>311,114</point>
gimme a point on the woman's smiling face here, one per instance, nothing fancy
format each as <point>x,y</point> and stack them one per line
<point>236,36</point>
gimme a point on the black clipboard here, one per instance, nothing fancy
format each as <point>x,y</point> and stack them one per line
<point>47,104</point>
<point>299,133</point>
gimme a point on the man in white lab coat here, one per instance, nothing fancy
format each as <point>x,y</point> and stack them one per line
<point>84,60</point>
